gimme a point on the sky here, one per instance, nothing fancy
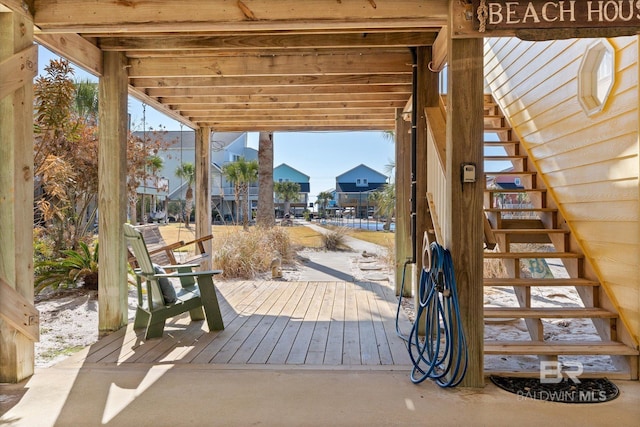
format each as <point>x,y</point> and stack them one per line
<point>320,155</point>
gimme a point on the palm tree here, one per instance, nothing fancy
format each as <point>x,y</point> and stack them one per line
<point>323,198</point>
<point>288,192</point>
<point>86,100</point>
<point>265,216</point>
<point>242,173</point>
<point>385,203</point>
<point>187,172</point>
<point>155,164</point>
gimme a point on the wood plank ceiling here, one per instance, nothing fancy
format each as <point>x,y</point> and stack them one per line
<point>255,65</point>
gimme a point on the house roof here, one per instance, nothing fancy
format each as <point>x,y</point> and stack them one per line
<point>286,166</point>
<point>383,177</point>
<point>186,139</point>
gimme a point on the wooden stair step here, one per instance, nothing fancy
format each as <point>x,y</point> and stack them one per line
<point>515,190</point>
<point>501,143</point>
<point>547,313</point>
<point>510,173</point>
<point>538,282</point>
<point>531,255</point>
<point>497,129</point>
<point>521,210</point>
<point>582,348</point>
<point>505,158</point>
<point>530,231</point>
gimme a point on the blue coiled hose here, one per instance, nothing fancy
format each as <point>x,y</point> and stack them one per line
<point>443,354</point>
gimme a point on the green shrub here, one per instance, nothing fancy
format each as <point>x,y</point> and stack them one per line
<point>68,271</point>
<point>244,254</point>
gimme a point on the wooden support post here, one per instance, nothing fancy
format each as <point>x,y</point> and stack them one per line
<point>203,190</point>
<point>112,196</point>
<point>403,208</point>
<point>16,191</point>
<point>464,235</point>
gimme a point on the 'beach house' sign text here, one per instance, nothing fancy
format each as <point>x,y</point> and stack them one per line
<point>504,15</point>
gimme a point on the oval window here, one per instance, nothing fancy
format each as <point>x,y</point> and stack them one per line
<point>596,76</point>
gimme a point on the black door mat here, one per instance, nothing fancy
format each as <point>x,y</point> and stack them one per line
<point>596,390</point>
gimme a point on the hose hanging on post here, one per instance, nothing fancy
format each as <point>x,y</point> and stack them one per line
<point>443,354</point>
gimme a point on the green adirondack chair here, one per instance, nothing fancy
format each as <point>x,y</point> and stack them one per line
<point>197,294</point>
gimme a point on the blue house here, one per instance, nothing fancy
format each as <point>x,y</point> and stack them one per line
<point>285,173</point>
<point>354,186</point>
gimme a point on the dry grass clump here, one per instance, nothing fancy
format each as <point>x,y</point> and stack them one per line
<point>334,239</point>
<point>244,254</point>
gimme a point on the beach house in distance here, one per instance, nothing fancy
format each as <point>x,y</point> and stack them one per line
<point>353,188</point>
<point>285,173</point>
<point>225,147</point>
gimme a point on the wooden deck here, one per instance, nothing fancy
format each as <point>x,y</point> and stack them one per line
<point>327,324</point>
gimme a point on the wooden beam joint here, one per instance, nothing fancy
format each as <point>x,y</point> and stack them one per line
<point>17,70</point>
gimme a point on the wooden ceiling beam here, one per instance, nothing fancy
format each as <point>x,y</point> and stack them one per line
<point>284,99</point>
<point>152,102</point>
<point>390,63</point>
<point>276,90</point>
<point>268,41</point>
<point>291,112</point>
<point>281,106</point>
<point>21,7</point>
<point>187,55</point>
<point>278,116</point>
<point>233,15</point>
<point>298,126</point>
<point>75,48</point>
<point>266,81</point>
<point>294,120</point>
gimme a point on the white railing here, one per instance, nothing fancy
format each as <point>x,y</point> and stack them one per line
<point>436,185</point>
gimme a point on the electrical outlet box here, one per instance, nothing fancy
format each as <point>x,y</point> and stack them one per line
<point>468,172</point>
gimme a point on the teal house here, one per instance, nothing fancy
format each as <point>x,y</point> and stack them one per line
<point>285,173</point>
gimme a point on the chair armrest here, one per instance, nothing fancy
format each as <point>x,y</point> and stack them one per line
<point>167,248</point>
<point>177,266</point>
<point>198,242</point>
<point>191,274</point>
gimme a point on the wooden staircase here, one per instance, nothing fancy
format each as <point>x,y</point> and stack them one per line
<point>529,234</point>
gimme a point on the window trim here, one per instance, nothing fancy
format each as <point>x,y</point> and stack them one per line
<point>596,53</point>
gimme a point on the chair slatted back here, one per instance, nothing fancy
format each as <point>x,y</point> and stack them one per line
<point>135,239</point>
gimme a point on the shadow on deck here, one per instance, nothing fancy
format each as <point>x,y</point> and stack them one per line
<point>275,323</point>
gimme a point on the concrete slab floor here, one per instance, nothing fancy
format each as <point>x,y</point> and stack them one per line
<point>206,395</point>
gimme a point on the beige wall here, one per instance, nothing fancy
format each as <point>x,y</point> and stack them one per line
<point>589,163</point>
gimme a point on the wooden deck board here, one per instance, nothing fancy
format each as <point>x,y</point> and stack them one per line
<point>283,347</point>
<point>247,328</point>
<point>378,326</point>
<point>335,339</point>
<point>252,342</point>
<point>318,344</point>
<point>300,347</point>
<point>351,344</point>
<point>367,334</point>
<point>243,314</point>
<point>275,323</point>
